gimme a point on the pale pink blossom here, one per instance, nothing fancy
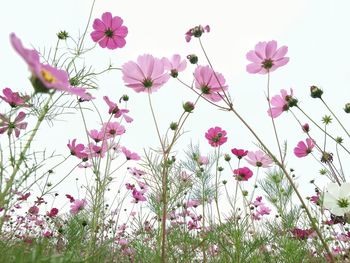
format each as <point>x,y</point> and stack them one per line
<point>266,57</point>
<point>174,65</point>
<point>77,206</point>
<point>16,124</point>
<point>258,159</point>
<point>279,103</point>
<point>147,75</point>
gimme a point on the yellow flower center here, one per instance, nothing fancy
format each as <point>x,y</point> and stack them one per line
<point>48,76</point>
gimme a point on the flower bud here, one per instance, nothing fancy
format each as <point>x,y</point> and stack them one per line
<point>220,169</point>
<point>173,126</point>
<point>224,182</point>
<point>306,127</point>
<point>192,58</point>
<point>188,106</point>
<point>62,35</point>
<point>347,107</point>
<point>227,157</point>
<point>125,97</point>
<point>316,92</point>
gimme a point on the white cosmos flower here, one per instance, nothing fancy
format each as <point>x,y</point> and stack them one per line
<point>337,198</point>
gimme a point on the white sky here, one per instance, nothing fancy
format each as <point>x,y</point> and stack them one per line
<point>316,32</point>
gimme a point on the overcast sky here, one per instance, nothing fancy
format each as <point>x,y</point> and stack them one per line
<point>316,32</point>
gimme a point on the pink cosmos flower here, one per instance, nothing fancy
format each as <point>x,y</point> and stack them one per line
<point>113,129</point>
<point>240,153</point>
<point>13,98</point>
<point>174,65</point>
<point>94,150</point>
<point>258,159</point>
<point>138,196</point>
<point>130,155</point>
<point>109,32</point>
<point>216,136</point>
<point>196,32</point>
<point>301,233</point>
<point>147,75</point>
<point>209,85</point>
<point>192,203</point>
<point>303,149</point>
<point>243,174</point>
<point>258,201</point>
<point>96,135</point>
<point>263,210</point>
<point>136,172</point>
<point>44,76</point>
<point>77,150</point>
<point>203,160</point>
<point>53,212</point>
<point>34,210</point>
<point>77,206</point>
<point>266,57</point>
<point>279,103</point>
<point>9,126</point>
<point>113,107</point>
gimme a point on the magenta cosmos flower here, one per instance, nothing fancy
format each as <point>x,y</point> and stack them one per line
<point>266,57</point>
<point>130,155</point>
<point>174,65</point>
<point>44,76</point>
<point>77,149</point>
<point>13,98</point>
<point>243,174</point>
<point>303,149</point>
<point>216,136</point>
<point>259,159</point>
<point>147,75</point>
<point>9,126</point>
<point>281,103</point>
<point>109,32</point>
<point>210,85</point>
<point>239,153</point>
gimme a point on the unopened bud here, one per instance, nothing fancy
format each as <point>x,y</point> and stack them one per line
<point>316,92</point>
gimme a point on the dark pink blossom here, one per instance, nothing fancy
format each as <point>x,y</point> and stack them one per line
<point>109,32</point>
<point>53,212</point>
<point>130,155</point>
<point>94,150</point>
<point>77,150</point>
<point>71,198</point>
<point>243,174</point>
<point>17,124</point>
<point>13,98</point>
<point>216,136</point>
<point>147,75</point>
<point>266,57</point>
<point>302,233</point>
<point>303,149</point>
<point>239,153</point>
<point>210,83</point>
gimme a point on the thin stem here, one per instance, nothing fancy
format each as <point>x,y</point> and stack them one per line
<point>272,118</point>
